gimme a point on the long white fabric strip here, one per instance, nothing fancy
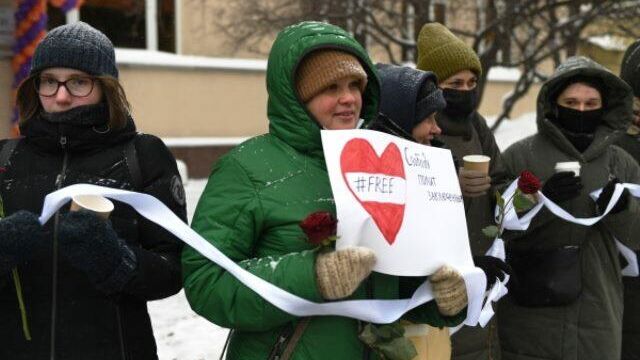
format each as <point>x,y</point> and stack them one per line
<point>513,222</point>
<point>375,311</point>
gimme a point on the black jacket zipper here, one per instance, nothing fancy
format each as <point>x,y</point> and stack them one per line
<point>123,353</point>
<point>54,263</point>
<point>54,267</point>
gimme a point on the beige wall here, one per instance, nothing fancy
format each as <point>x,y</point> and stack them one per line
<point>496,91</point>
<point>201,36</point>
<point>220,103</point>
<point>173,102</point>
<point>611,58</point>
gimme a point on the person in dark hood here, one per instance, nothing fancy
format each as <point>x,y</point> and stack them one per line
<point>409,103</point>
<point>85,281</point>
<point>578,109</point>
<point>465,132</point>
<point>630,73</point>
<point>630,142</point>
<point>566,299</point>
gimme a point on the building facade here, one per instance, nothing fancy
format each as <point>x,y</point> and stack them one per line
<point>184,83</point>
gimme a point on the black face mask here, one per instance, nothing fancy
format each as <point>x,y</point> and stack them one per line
<point>579,122</point>
<point>460,103</point>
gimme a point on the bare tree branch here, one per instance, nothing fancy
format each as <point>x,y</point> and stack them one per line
<point>523,34</point>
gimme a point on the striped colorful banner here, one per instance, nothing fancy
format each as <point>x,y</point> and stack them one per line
<point>30,28</point>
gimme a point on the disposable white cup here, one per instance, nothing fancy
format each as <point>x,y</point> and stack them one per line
<point>477,162</point>
<point>98,204</point>
<point>573,166</point>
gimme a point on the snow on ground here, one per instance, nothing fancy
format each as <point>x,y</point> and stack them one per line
<point>183,335</point>
<point>165,59</point>
<point>609,42</point>
<point>180,333</point>
<point>511,131</point>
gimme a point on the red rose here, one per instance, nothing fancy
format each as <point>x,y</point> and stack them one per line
<point>528,183</point>
<point>319,227</point>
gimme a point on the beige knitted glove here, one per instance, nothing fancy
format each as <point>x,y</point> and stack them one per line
<point>449,290</point>
<point>473,183</point>
<point>340,272</point>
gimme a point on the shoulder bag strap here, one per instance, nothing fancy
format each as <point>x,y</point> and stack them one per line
<point>131,157</point>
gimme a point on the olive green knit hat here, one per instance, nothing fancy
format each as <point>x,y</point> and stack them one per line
<point>440,51</point>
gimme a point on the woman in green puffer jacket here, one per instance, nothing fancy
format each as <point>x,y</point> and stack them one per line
<point>318,76</point>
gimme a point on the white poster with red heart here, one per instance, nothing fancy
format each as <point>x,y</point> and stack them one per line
<point>398,198</point>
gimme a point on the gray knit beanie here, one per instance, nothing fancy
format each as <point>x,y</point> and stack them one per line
<point>76,46</point>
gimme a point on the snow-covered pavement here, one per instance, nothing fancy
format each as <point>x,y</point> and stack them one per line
<point>180,333</point>
<point>183,335</point>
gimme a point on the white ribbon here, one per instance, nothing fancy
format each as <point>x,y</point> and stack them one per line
<point>375,311</point>
<point>631,269</point>
<point>513,222</point>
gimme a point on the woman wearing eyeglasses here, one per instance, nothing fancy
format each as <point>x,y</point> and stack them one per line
<point>85,282</point>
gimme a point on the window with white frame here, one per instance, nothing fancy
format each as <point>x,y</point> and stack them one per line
<point>135,24</point>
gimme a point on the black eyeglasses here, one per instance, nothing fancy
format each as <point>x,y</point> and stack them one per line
<point>78,86</point>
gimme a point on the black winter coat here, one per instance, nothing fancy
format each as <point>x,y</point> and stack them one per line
<point>630,142</point>
<point>88,324</point>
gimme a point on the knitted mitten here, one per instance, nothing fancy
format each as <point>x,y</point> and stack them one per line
<point>449,290</point>
<point>20,235</point>
<point>91,245</point>
<point>340,272</point>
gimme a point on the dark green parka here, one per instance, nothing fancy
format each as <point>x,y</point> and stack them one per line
<point>630,142</point>
<point>251,209</point>
<point>468,137</point>
<point>590,327</point>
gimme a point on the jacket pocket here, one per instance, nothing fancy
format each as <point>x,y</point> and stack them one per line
<point>545,277</point>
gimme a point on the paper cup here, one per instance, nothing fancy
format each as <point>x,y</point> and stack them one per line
<point>573,166</point>
<point>97,204</point>
<point>477,163</point>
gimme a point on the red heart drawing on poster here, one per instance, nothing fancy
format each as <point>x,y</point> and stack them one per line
<point>358,156</point>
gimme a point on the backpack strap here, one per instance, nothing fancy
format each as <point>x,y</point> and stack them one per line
<point>7,150</point>
<point>5,155</point>
<point>131,157</point>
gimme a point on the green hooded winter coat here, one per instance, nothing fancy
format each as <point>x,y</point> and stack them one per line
<point>251,209</point>
<point>590,327</point>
